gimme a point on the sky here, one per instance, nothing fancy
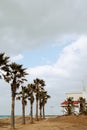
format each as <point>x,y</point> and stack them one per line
<point>49,37</point>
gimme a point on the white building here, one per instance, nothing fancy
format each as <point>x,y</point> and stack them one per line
<point>75,97</point>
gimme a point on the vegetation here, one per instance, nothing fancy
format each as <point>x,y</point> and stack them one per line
<point>15,75</point>
<point>83,107</point>
<point>30,93</point>
<point>22,95</point>
<point>3,64</point>
<point>39,87</point>
<point>70,106</point>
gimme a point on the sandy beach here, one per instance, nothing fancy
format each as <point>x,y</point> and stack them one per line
<point>54,123</point>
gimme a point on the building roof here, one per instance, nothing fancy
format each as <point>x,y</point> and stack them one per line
<point>63,104</point>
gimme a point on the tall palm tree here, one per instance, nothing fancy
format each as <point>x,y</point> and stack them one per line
<point>3,64</point>
<point>45,97</point>
<point>15,76</point>
<point>31,88</point>
<point>40,102</point>
<point>39,85</point>
<point>22,95</point>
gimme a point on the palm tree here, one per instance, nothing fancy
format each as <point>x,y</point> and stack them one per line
<point>45,97</point>
<point>70,106</point>
<point>31,88</point>
<point>82,108</point>
<point>3,64</point>
<point>40,102</point>
<point>23,96</point>
<point>39,85</point>
<point>15,76</point>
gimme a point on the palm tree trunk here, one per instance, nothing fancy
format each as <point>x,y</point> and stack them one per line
<point>12,112</point>
<point>40,110</point>
<point>43,112</point>
<point>31,113</point>
<point>23,113</point>
<point>36,109</point>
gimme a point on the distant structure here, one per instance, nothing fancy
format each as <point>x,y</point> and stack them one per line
<point>75,97</point>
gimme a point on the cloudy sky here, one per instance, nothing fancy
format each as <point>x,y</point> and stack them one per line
<point>49,37</point>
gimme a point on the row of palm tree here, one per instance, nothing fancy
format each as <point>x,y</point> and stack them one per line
<point>30,92</point>
<point>15,75</point>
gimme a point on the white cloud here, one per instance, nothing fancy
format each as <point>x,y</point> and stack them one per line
<point>16,58</point>
<point>72,60</point>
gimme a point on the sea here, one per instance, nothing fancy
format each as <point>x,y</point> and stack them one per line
<point>5,116</point>
<point>8,116</point>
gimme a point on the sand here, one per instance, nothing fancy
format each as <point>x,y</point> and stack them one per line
<point>54,123</point>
